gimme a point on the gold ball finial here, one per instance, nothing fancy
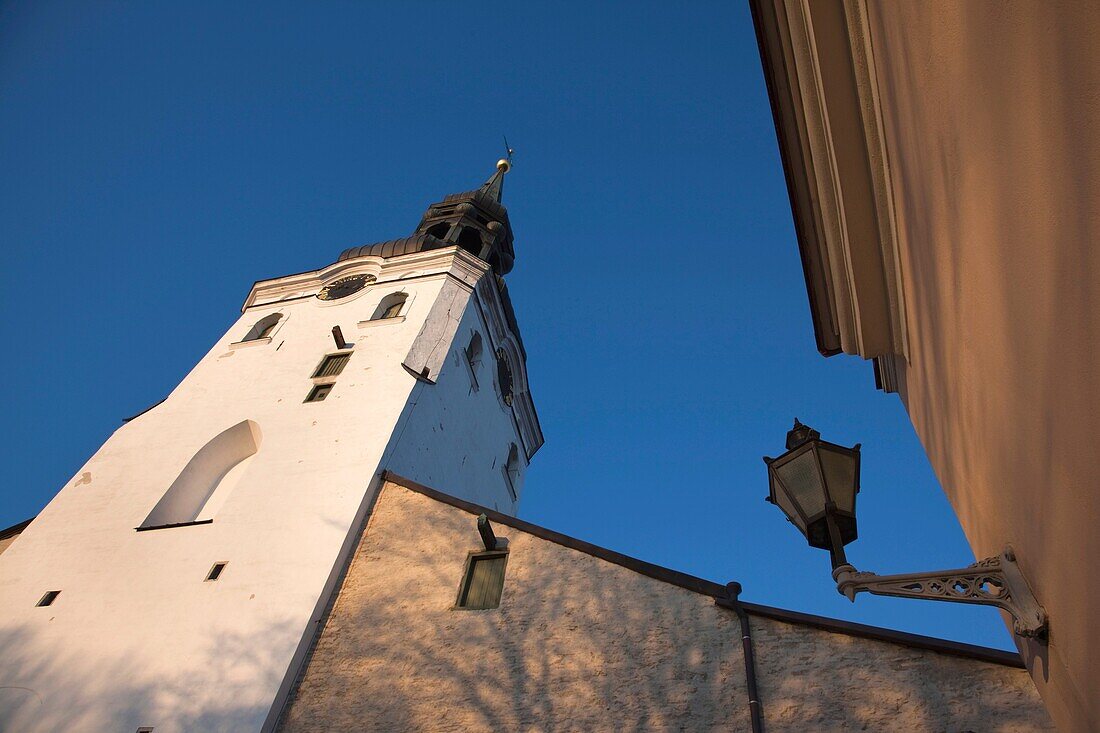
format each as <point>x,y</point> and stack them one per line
<point>504,165</point>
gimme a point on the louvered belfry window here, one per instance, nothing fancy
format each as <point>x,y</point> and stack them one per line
<point>332,365</point>
<point>484,581</point>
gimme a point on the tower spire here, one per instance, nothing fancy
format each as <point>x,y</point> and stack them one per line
<point>476,221</point>
<point>494,187</point>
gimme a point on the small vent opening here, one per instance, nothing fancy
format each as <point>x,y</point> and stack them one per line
<point>318,393</point>
<point>216,571</point>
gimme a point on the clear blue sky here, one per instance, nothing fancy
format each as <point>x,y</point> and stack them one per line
<point>158,157</point>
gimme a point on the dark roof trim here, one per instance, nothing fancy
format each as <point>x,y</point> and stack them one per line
<point>717,590</point>
<point>395,247</point>
<point>15,529</point>
<point>944,646</point>
<point>158,403</point>
<point>794,172</point>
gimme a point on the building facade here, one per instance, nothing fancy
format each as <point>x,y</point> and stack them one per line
<point>261,551</point>
<point>944,173</point>
<point>586,639</point>
<point>172,582</point>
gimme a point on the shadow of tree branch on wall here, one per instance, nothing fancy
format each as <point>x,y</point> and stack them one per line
<point>579,643</point>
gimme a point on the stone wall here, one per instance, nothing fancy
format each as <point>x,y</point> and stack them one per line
<point>581,643</point>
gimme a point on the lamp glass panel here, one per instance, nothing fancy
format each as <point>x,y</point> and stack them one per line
<point>784,502</point>
<point>800,476</point>
<point>840,477</point>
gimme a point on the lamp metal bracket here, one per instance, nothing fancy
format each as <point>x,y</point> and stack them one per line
<point>994,581</point>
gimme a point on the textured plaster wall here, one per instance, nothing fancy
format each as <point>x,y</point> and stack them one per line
<point>992,114</point>
<point>579,643</point>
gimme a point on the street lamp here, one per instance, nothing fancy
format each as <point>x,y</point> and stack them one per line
<point>815,484</point>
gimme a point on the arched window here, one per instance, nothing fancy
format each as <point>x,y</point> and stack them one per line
<point>264,327</point>
<point>504,376</point>
<point>512,471</point>
<point>439,231</point>
<point>390,307</point>
<point>470,240</point>
<point>207,479</point>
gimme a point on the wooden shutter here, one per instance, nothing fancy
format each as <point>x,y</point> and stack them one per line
<point>484,582</point>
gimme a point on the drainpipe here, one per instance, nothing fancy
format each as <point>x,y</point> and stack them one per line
<point>731,601</point>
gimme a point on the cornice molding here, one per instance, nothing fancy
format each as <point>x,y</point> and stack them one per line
<point>453,261</point>
<point>501,336</point>
<point>818,62</point>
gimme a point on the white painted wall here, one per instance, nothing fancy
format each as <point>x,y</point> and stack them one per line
<point>470,429</point>
<point>137,638</point>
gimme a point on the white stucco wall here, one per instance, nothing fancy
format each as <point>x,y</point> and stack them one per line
<point>137,638</point>
<point>470,429</point>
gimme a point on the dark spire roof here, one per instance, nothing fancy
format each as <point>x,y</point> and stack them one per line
<point>475,220</point>
<point>494,187</point>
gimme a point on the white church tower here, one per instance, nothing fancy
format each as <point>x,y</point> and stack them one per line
<point>175,583</point>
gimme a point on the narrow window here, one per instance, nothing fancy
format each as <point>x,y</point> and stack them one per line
<point>318,393</point>
<point>504,376</point>
<point>511,472</point>
<point>473,352</point>
<point>263,328</point>
<point>216,571</point>
<point>49,598</point>
<point>145,729</point>
<point>484,581</point>
<point>390,307</point>
<point>331,365</point>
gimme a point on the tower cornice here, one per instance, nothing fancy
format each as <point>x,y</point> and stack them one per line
<point>452,260</point>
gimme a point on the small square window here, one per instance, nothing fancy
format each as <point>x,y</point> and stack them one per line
<point>216,571</point>
<point>484,581</point>
<point>49,598</point>
<point>332,365</point>
<point>318,393</point>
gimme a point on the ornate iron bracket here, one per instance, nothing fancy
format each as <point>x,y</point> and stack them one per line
<point>995,581</point>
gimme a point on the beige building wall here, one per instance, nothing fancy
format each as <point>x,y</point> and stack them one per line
<point>583,643</point>
<point>992,116</point>
<point>944,170</point>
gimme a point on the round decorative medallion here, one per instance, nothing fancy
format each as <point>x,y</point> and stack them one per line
<point>344,287</point>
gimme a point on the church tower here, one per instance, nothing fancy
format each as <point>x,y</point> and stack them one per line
<point>180,574</point>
